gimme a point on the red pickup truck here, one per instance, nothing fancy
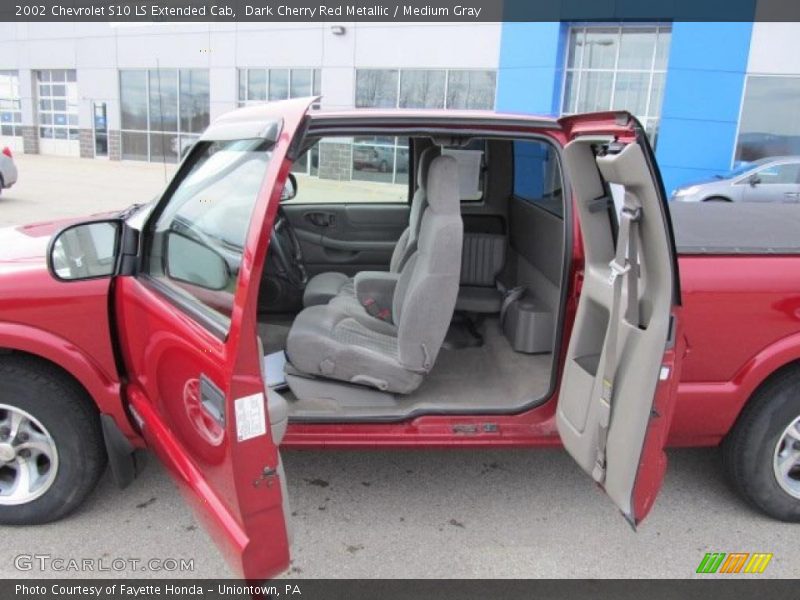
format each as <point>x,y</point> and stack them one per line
<point>519,287</point>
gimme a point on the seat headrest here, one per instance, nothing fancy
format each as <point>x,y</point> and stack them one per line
<point>424,164</point>
<point>443,188</point>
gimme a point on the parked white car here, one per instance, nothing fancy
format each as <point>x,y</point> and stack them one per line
<point>8,170</point>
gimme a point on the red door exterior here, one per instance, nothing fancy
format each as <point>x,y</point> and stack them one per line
<point>173,361</point>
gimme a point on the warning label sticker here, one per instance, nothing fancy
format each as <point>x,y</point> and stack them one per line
<point>250,417</point>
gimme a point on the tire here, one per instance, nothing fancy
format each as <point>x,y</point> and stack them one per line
<point>61,417</point>
<point>752,448</point>
<point>717,199</point>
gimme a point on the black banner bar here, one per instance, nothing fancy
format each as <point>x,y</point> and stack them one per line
<point>741,588</point>
<point>406,11</point>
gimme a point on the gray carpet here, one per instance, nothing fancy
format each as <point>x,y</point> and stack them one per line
<point>492,376</point>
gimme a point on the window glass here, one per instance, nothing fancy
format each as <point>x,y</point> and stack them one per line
<point>630,92</point>
<point>198,240</point>
<point>194,100</point>
<point>636,48</point>
<point>620,68</point>
<point>301,83</point>
<point>134,146</point>
<point>770,122</point>
<point>537,176</point>
<point>163,100</point>
<point>278,84</point>
<point>471,89</point>
<point>600,48</point>
<point>422,89</point>
<point>256,84</point>
<point>10,104</point>
<point>57,92</point>
<point>162,112</point>
<point>261,85</point>
<point>595,94</point>
<point>376,88</point>
<point>353,170</point>
<point>780,174</point>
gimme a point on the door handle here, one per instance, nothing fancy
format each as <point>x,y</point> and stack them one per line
<point>212,399</point>
<point>320,219</point>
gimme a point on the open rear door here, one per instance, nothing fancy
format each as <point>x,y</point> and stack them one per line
<point>187,327</point>
<point>620,376</point>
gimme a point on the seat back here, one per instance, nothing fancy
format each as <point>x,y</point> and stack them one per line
<point>425,296</point>
<point>407,244</point>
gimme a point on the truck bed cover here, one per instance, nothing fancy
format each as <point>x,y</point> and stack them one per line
<point>736,228</point>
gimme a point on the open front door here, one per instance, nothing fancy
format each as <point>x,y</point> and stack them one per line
<point>187,328</point>
<point>620,377</point>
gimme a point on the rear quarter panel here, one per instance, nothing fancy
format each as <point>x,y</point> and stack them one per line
<point>741,318</point>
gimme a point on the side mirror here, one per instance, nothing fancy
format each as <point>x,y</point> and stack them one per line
<point>754,180</point>
<point>193,262</point>
<point>85,251</point>
<point>289,188</point>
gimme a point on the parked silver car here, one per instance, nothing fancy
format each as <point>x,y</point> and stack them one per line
<point>773,179</point>
<point>8,170</point>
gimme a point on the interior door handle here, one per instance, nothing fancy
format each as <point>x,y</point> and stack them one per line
<point>320,219</point>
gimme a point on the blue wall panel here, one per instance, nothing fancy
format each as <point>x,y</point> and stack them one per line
<point>530,73</point>
<point>702,97</point>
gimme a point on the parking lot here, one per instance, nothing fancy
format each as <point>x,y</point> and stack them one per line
<point>476,513</point>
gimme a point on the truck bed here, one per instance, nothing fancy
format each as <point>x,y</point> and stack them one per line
<point>736,228</point>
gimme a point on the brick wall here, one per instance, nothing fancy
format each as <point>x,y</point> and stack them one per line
<point>86,137</point>
<point>30,140</point>
<point>114,145</point>
<point>335,160</point>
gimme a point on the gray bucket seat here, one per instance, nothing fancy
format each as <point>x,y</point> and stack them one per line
<point>393,355</point>
<point>323,287</point>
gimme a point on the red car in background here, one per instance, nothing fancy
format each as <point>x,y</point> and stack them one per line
<point>232,317</point>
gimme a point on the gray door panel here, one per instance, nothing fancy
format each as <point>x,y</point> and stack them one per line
<point>347,237</point>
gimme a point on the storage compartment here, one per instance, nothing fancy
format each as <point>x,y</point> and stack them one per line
<point>528,326</point>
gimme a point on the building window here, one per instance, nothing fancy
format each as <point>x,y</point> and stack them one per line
<point>425,88</point>
<point>10,109</point>
<point>261,85</point>
<point>162,112</point>
<point>57,94</point>
<point>617,68</point>
<point>770,123</point>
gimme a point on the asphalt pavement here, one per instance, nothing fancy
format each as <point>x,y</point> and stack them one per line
<point>397,514</point>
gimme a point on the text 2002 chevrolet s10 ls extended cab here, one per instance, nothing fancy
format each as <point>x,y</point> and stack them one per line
<point>515,285</point>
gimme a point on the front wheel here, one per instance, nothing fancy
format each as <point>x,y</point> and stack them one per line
<point>51,443</point>
<point>762,453</point>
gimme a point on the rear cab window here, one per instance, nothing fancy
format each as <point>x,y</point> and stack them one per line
<point>537,176</point>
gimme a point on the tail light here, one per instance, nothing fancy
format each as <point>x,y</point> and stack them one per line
<point>7,152</point>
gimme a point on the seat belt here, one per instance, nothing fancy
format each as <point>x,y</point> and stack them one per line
<point>510,297</point>
<point>624,268</point>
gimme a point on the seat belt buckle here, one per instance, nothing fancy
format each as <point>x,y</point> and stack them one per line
<point>617,270</point>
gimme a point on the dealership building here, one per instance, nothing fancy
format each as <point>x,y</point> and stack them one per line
<point>708,94</point>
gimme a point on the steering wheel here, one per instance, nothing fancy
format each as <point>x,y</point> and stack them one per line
<point>285,247</point>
